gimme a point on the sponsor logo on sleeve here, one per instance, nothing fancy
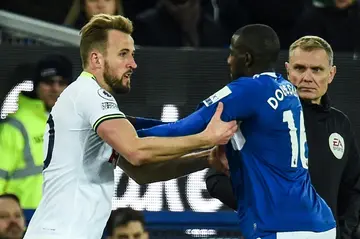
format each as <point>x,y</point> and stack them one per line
<point>108,105</point>
<point>217,96</point>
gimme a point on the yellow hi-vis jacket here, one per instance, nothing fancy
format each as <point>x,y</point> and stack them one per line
<point>21,151</point>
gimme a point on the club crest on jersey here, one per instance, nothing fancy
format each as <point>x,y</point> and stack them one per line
<point>337,145</point>
<point>217,96</point>
<point>105,95</point>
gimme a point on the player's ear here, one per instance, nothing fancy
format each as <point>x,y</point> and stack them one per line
<point>249,60</point>
<point>96,60</point>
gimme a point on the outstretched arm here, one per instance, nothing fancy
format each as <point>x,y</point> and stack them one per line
<point>163,171</point>
<point>120,134</point>
<point>234,97</point>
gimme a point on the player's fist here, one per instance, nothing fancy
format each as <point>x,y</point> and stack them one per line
<point>217,159</point>
<point>218,131</point>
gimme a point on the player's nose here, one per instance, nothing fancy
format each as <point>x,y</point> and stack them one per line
<point>133,64</point>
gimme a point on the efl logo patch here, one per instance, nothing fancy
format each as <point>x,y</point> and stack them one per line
<point>337,145</point>
<point>108,105</point>
<point>217,96</point>
<point>105,95</point>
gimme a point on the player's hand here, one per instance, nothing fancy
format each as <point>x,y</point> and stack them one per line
<point>219,132</point>
<point>217,159</point>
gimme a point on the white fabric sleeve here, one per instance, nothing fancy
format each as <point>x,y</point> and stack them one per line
<point>96,106</point>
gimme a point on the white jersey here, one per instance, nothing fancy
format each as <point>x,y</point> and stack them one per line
<point>79,174</point>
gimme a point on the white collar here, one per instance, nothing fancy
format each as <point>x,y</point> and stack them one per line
<point>272,74</point>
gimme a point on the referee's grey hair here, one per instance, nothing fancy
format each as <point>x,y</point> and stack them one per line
<point>310,43</point>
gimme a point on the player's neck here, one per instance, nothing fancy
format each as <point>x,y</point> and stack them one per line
<point>258,70</point>
<point>99,78</point>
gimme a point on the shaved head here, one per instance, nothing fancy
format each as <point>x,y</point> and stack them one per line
<point>253,48</point>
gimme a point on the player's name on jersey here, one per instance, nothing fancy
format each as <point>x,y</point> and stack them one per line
<point>283,91</point>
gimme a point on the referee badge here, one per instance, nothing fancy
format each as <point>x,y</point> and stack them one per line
<point>337,145</point>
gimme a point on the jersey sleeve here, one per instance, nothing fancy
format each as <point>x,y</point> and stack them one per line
<point>237,106</point>
<point>96,106</point>
<point>192,124</point>
<point>240,99</point>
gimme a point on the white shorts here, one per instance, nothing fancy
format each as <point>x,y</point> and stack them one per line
<point>331,234</point>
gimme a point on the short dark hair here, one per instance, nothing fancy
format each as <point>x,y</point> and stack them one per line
<point>121,217</point>
<point>10,196</point>
<point>259,40</point>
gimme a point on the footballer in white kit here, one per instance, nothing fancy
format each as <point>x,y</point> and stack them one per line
<point>79,172</point>
<point>85,128</point>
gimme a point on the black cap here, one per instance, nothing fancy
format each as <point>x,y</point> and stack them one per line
<point>53,65</point>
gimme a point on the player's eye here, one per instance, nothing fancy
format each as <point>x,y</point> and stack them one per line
<point>122,54</point>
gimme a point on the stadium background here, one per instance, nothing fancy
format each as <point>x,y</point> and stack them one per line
<point>168,84</point>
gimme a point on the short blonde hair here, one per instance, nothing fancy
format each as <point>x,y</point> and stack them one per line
<point>310,43</point>
<point>94,34</point>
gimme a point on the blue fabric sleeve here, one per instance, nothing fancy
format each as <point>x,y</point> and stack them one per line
<point>192,124</point>
<point>143,123</point>
<point>239,103</point>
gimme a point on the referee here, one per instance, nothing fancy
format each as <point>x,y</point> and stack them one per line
<point>334,162</point>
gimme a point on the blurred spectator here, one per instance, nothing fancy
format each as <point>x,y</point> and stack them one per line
<point>21,133</point>
<point>45,10</point>
<point>12,221</point>
<point>281,15</point>
<point>82,10</point>
<point>178,23</point>
<point>336,21</point>
<point>134,7</point>
<point>126,223</point>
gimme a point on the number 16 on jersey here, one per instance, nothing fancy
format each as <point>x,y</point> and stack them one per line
<point>297,138</point>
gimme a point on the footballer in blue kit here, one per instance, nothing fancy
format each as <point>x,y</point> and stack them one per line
<point>267,156</point>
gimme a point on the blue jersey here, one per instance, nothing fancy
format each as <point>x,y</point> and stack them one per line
<point>267,155</point>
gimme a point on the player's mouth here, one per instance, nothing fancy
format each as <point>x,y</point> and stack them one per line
<point>127,75</point>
